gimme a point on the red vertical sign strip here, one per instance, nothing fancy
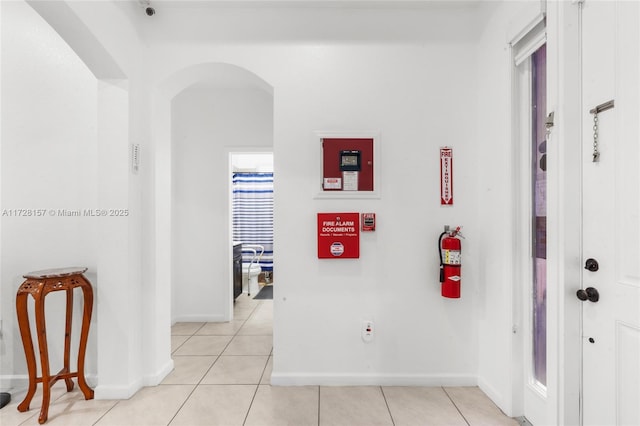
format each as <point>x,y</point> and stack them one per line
<point>446,176</point>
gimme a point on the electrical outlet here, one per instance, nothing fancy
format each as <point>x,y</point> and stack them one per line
<point>367,331</point>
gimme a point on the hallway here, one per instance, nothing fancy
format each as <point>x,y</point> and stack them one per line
<point>221,377</point>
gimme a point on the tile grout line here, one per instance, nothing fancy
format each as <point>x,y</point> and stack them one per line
<point>27,419</point>
<point>172,354</point>
<point>189,336</point>
<point>455,405</point>
<point>225,347</point>
<point>210,367</point>
<point>387,404</point>
<point>105,413</point>
<point>263,370</point>
<point>180,345</point>
<point>196,385</point>
<point>246,416</point>
<point>319,390</point>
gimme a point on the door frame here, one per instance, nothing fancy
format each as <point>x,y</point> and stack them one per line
<point>564,232</point>
<point>535,398</point>
<point>231,152</point>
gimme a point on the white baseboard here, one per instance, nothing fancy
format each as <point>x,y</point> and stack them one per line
<point>117,392</point>
<point>19,382</point>
<point>126,392</point>
<point>199,318</point>
<point>296,379</point>
<point>496,397</point>
<point>158,377</point>
<point>14,382</point>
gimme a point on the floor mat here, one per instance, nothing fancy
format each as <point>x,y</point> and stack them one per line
<point>265,293</point>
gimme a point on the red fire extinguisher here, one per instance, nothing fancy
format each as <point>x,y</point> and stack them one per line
<point>450,249</point>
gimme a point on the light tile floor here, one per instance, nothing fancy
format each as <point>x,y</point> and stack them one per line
<point>221,377</point>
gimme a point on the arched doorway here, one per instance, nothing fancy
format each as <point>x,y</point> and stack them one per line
<point>202,112</point>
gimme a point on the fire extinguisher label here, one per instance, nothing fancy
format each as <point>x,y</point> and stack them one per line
<point>455,278</point>
<point>452,257</point>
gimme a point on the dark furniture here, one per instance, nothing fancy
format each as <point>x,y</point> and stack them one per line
<point>237,270</point>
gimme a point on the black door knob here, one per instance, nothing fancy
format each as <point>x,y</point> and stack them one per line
<point>590,294</point>
<point>591,265</point>
<point>582,295</point>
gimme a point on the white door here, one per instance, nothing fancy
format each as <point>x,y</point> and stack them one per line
<point>611,208</point>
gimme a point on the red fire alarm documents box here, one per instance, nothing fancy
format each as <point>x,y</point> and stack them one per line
<point>338,235</point>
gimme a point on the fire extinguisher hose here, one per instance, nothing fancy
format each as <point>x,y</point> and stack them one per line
<point>440,254</point>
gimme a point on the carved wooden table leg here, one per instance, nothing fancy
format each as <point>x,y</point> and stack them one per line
<point>27,343</point>
<point>67,339</point>
<point>41,330</point>
<point>84,336</point>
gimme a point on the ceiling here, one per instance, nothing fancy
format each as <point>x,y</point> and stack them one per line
<point>251,21</point>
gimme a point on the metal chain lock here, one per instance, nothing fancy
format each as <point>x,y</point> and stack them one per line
<point>596,153</point>
<point>595,111</point>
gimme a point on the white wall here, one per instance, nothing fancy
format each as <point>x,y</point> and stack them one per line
<point>417,98</point>
<point>501,304</point>
<point>134,309</point>
<point>206,125</point>
<point>49,162</point>
<point>254,162</point>
<point>398,92</point>
<point>86,124</point>
<point>417,93</point>
<point>495,210</point>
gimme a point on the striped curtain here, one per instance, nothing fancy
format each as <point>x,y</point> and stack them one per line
<point>253,214</point>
